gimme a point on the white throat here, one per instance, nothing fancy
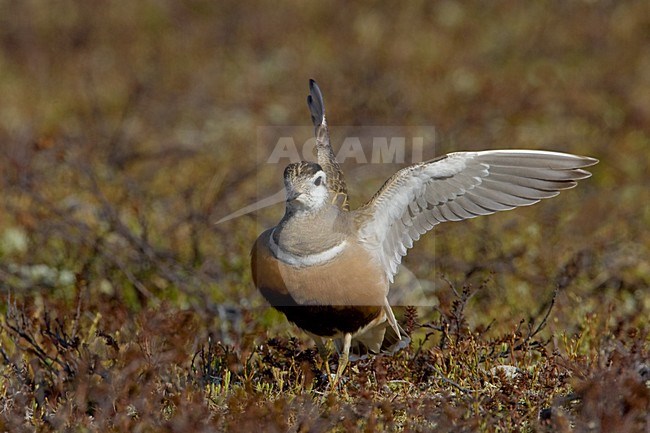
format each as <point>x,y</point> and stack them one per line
<point>305,260</point>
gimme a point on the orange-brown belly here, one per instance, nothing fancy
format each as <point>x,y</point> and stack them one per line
<point>341,296</point>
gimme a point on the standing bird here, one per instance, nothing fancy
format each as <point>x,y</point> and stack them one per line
<point>329,268</point>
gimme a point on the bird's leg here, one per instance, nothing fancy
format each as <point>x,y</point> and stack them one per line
<point>343,358</point>
<point>324,354</point>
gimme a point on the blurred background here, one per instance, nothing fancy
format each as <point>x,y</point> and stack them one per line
<point>127,129</point>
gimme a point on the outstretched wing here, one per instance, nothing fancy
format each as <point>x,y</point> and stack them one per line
<point>456,187</point>
<point>325,154</point>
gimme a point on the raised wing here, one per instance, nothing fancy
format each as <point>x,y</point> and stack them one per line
<point>459,186</point>
<point>325,154</point>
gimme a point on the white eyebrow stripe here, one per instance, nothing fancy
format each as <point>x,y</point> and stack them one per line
<point>308,260</point>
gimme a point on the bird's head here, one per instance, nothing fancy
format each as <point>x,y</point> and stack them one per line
<point>305,184</point>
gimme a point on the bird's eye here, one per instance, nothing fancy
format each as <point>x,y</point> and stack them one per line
<point>318,181</point>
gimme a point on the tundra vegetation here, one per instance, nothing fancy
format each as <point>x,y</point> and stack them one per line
<point>127,129</point>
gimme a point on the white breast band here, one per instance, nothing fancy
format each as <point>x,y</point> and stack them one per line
<point>308,260</point>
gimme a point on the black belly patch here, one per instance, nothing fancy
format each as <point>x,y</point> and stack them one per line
<point>322,320</point>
